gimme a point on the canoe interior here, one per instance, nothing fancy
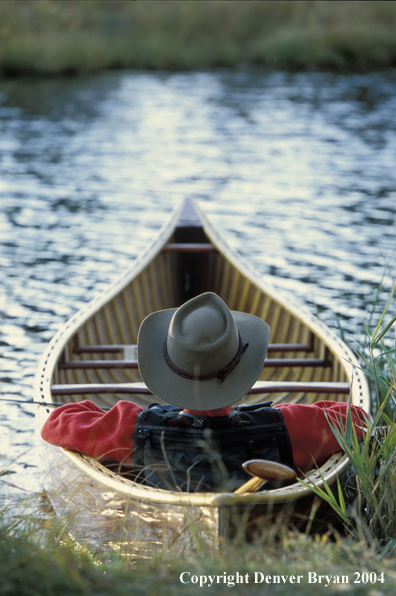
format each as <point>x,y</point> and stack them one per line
<point>167,281</point>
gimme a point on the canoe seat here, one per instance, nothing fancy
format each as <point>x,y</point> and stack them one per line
<point>258,387</point>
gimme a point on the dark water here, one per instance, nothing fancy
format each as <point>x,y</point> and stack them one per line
<point>298,171</point>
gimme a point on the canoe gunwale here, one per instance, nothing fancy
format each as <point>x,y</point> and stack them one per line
<point>112,480</point>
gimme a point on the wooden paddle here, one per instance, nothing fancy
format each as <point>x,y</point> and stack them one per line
<point>263,470</point>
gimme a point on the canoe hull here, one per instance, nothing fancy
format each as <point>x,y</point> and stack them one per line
<point>98,516</point>
<point>188,257</point>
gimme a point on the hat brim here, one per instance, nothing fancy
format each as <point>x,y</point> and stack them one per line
<point>208,394</point>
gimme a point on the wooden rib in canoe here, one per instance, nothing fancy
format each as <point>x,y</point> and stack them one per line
<point>188,257</point>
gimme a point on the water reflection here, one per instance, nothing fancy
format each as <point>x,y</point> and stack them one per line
<point>296,170</point>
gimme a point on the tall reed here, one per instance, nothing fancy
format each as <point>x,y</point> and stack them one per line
<point>367,507</point>
<point>54,566</point>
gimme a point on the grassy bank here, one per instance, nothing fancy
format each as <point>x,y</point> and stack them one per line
<point>55,38</point>
<point>27,570</point>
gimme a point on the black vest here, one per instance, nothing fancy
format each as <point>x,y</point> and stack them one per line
<point>176,450</point>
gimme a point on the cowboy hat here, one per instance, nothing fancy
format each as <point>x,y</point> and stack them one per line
<point>201,356</point>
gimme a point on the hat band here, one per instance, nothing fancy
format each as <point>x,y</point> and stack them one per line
<point>220,374</point>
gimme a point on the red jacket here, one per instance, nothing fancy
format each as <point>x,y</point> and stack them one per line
<point>108,436</point>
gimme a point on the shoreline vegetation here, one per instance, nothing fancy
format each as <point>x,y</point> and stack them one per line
<point>52,38</point>
<point>294,565</point>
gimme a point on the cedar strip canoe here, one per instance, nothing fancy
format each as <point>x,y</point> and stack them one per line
<point>93,356</point>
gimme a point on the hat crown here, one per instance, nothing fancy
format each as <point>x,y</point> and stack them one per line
<point>196,356</point>
<point>202,336</point>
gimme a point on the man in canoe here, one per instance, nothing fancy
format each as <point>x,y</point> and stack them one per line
<point>201,358</point>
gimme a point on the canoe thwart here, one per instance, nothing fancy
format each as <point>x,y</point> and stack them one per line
<point>194,247</point>
<point>289,362</point>
<point>120,348</point>
<point>95,388</point>
<point>259,387</point>
<point>270,362</point>
<point>129,352</point>
<point>86,364</point>
<point>300,386</point>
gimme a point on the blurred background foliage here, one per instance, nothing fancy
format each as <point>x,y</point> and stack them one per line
<point>62,37</point>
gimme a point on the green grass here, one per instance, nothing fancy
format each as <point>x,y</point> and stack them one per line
<point>54,568</point>
<point>57,38</point>
<point>371,514</point>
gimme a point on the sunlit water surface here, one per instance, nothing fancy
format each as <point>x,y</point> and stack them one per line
<point>297,171</point>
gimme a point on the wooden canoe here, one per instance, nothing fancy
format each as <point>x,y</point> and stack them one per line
<point>93,356</point>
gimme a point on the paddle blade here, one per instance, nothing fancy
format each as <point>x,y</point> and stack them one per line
<point>268,470</point>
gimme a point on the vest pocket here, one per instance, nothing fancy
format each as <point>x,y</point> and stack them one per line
<point>191,461</point>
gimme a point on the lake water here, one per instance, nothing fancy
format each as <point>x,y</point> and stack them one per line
<point>298,171</point>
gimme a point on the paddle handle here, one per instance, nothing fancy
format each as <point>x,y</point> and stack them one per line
<point>251,485</point>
